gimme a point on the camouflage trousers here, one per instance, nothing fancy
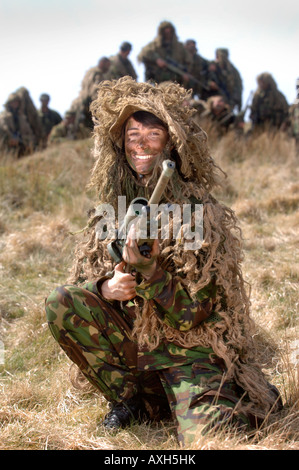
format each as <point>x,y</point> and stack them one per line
<point>97,337</point>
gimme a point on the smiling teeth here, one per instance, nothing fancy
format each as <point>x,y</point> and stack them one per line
<point>143,157</point>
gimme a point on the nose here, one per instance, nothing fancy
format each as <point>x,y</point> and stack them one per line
<point>141,143</point>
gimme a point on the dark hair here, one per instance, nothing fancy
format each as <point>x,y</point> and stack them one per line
<point>126,46</point>
<point>190,41</point>
<point>144,117</point>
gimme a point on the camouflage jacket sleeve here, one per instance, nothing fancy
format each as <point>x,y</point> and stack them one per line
<point>173,304</point>
<point>95,287</point>
<point>148,54</point>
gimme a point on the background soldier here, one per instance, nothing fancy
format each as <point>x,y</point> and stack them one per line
<point>269,109</point>
<point>88,92</point>
<point>162,53</point>
<point>225,79</point>
<point>16,135</point>
<point>31,113</point>
<point>49,117</point>
<point>220,117</point>
<point>68,129</point>
<point>197,67</point>
<point>121,65</point>
<point>93,77</point>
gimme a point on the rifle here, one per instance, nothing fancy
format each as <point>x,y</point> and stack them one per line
<point>176,68</point>
<point>140,209</point>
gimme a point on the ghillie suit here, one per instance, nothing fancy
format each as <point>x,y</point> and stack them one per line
<point>172,50</point>
<point>198,68</point>
<point>16,135</point>
<point>197,361</point>
<point>210,121</point>
<point>68,130</point>
<point>121,67</point>
<point>269,108</point>
<point>30,111</point>
<point>227,78</point>
<point>218,123</point>
<point>88,92</point>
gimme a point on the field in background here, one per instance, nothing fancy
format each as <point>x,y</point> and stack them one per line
<point>42,199</point>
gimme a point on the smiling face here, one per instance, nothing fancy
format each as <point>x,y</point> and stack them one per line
<point>144,143</point>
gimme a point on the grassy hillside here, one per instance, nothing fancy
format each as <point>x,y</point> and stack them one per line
<point>42,199</point>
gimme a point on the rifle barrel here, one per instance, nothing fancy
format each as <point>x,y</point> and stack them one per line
<point>168,168</point>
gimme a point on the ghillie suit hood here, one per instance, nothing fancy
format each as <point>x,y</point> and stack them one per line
<point>158,41</point>
<point>160,32</point>
<point>20,121</point>
<point>30,111</point>
<point>269,106</point>
<point>268,79</point>
<point>276,98</point>
<point>170,49</point>
<point>220,255</point>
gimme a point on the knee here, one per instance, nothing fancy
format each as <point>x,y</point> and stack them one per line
<point>57,304</point>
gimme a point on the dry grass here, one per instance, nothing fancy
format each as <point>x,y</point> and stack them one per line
<point>42,199</point>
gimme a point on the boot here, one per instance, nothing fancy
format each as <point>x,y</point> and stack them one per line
<point>122,414</point>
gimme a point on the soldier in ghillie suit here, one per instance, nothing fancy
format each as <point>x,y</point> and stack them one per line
<point>269,108</point>
<point>88,92</point>
<point>93,77</point>
<point>197,67</point>
<point>163,50</point>
<point>177,336</point>
<point>49,117</point>
<point>224,79</point>
<point>16,135</point>
<point>31,113</point>
<point>68,129</point>
<point>121,65</point>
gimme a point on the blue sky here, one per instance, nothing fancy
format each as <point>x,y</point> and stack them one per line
<point>47,46</point>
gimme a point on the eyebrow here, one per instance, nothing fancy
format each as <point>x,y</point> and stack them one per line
<point>150,127</point>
